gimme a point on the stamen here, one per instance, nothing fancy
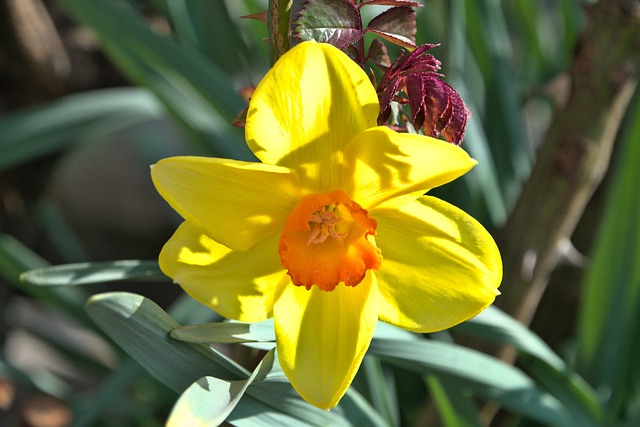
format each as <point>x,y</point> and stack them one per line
<point>343,258</point>
<point>324,225</point>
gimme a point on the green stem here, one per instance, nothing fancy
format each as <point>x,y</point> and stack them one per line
<point>279,24</point>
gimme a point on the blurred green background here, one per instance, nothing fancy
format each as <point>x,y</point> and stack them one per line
<point>93,92</point>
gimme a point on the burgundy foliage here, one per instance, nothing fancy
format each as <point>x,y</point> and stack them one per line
<point>434,105</point>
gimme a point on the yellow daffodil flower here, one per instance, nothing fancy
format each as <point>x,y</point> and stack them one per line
<point>330,232</point>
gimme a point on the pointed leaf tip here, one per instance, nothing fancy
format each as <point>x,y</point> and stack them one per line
<point>397,25</point>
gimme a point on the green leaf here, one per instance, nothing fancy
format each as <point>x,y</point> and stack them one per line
<point>228,332</point>
<point>568,387</point>
<point>609,322</point>
<point>94,272</point>
<point>337,22</point>
<point>487,377</point>
<point>380,387</point>
<point>547,368</point>
<point>207,26</point>
<point>455,407</point>
<point>36,132</point>
<point>496,325</point>
<point>276,392</point>
<point>502,122</point>
<point>209,401</point>
<point>15,258</point>
<point>359,412</point>
<point>397,25</point>
<point>482,182</point>
<point>240,332</point>
<point>197,92</point>
<point>142,329</point>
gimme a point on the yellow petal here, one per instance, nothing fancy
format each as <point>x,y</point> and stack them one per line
<point>235,203</point>
<point>323,336</point>
<point>440,266</point>
<point>306,109</point>
<point>380,164</point>
<point>238,285</point>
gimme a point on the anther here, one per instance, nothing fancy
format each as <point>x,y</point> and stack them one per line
<point>324,225</point>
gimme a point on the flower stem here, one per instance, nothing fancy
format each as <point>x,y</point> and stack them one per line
<point>279,23</point>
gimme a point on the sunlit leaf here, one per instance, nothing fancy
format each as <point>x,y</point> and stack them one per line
<point>547,368</point>
<point>93,272</point>
<point>397,25</point>
<point>209,401</point>
<point>228,332</point>
<point>336,22</point>
<point>495,325</point>
<point>142,329</point>
<point>486,376</point>
<point>435,106</point>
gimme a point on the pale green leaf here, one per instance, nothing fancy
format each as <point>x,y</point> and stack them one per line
<point>93,272</point>
<point>209,401</point>
<point>487,377</point>
<point>35,132</point>
<point>142,329</point>
<point>547,368</point>
<point>228,332</point>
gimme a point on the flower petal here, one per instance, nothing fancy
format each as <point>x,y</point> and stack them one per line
<point>235,203</point>
<point>238,285</point>
<point>322,336</point>
<point>380,164</point>
<point>306,109</point>
<point>440,265</point>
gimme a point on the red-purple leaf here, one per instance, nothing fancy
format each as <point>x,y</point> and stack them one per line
<point>378,54</point>
<point>454,132</point>
<point>409,3</point>
<point>336,22</point>
<point>434,105</point>
<point>397,25</point>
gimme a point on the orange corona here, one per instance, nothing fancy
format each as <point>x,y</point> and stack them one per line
<point>329,239</point>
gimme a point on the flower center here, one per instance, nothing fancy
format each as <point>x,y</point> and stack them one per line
<point>324,225</point>
<point>327,240</point>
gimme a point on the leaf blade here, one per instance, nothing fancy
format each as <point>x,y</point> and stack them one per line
<point>210,400</point>
<point>397,25</point>
<point>93,272</point>
<point>336,22</point>
<point>486,376</point>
